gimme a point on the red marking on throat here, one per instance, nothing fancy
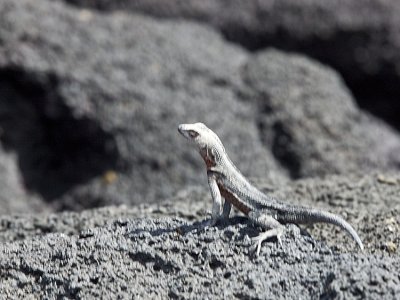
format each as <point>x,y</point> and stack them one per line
<point>208,158</point>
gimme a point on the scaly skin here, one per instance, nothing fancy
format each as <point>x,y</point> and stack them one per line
<point>226,181</point>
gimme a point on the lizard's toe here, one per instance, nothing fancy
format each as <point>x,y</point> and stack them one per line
<point>277,232</point>
<point>279,237</point>
<point>256,247</point>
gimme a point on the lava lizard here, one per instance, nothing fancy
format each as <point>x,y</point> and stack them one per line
<point>225,180</point>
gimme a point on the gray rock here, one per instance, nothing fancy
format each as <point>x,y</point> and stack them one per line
<point>13,196</point>
<point>359,38</point>
<point>104,103</point>
<point>149,252</point>
<point>310,120</point>
<point>92,116</point>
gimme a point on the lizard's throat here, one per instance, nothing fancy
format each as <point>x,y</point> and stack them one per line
<point>208,158</point>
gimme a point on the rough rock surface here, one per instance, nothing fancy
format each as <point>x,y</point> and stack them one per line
<point>361,39</point>
<point>92,116</point>
<point>310,121</point>
<point>155,251</point>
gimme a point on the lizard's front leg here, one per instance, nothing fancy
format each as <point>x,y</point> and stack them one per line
<point>227,209</point>
<point>216,197</point>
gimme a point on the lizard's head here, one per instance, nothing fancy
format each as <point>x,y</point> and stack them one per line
<point>202,136</point>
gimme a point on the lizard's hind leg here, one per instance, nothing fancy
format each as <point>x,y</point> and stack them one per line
<point>266,221</point>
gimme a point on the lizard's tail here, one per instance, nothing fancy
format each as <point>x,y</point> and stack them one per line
<point>315,216</point>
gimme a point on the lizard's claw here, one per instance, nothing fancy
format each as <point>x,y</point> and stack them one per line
<point>278,236</point>
<point>256,246</point>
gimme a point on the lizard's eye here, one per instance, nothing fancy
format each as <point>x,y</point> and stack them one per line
<point>193,134</point>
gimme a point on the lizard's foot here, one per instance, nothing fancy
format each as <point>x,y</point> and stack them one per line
<point>222,220</point>
<point>266,235</point>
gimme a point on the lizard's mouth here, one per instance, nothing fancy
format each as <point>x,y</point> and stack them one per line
<point>182,131</point>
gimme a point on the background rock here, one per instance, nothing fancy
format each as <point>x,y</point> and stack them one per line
<point>310,120</point>
<point>13,196</point>
<point>91,104</point>
<point>360,39</point>
<point>116,110</point>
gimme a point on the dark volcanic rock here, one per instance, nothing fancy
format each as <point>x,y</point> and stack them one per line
<point>91,103</point>
<point>146,252</point>
<point>101,98</point>
<point>310,120</point>
<point>361,39</point>
<point>13,196</point>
